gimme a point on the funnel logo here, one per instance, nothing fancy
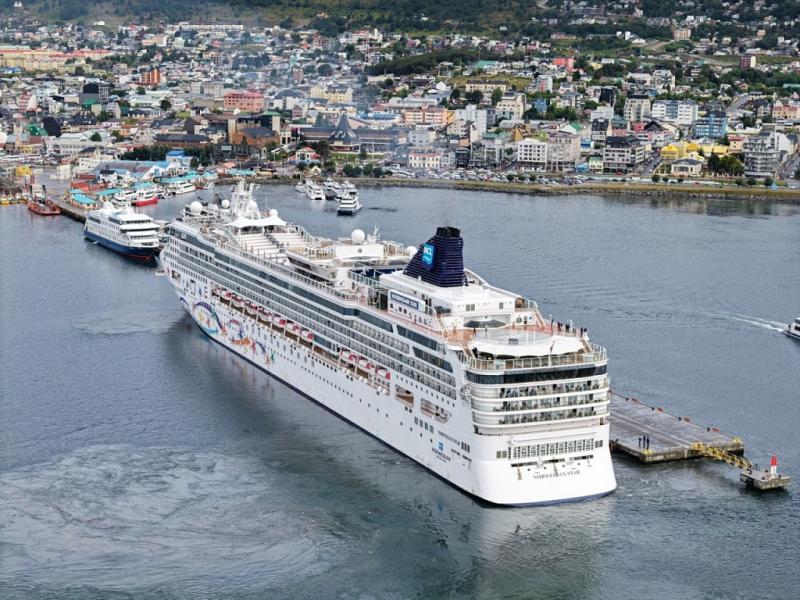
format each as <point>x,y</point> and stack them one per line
<point>427,255</point>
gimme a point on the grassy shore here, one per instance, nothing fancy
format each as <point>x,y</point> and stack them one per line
<point>600,188</point>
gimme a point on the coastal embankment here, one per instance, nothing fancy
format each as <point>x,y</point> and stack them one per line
<point>598,188</point>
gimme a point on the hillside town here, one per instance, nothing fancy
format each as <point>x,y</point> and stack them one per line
<point>147,101</point>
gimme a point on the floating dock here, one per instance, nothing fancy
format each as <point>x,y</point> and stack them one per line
<point>652,435</point>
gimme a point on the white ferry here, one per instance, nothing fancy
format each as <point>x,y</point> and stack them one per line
<point>348,202</point>
<point>793,329</point>
<point>123,231</point>
<point>465,378</point>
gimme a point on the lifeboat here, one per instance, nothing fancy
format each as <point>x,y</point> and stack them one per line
<point>263,315</point>
<point>307,335</point>
<point>278,322</point>
<point>362,363</point>
<point>351,357</point>
<point>226,296</point>
<point>252,309</point>
<point>293,328</point>
<point>237,302</point>
<point>370,367</point>
<point>383,373</point>
<point>215,292</point>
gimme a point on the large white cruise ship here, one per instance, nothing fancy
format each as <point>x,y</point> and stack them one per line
<point>465,378</point>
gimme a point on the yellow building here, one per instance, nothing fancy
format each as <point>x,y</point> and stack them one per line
<point>333,94</point>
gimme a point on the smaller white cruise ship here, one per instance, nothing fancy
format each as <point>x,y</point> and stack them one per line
<point>124,231</point>
<point>793,329</point>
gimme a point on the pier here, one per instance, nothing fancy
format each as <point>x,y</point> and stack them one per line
<point>70,210</point>
<point>668,437</point>
<point>652,435</point>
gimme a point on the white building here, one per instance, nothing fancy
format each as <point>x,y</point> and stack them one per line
<point>511,106</point>
<point>482,118</point>
<point>679,112</point>
<point>532,153</point>
<point>637,107</point>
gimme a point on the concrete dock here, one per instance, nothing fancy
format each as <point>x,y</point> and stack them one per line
<point>670,436</point>
<point>70,210</point>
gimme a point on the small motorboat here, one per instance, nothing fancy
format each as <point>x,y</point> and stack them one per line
<point>793,329</point>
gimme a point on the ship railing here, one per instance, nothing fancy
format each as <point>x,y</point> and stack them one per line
<point>503,422</point>
<point>522,408</point>
<point>597,354</point>
<point>543,391</point>
<point>274,264</point>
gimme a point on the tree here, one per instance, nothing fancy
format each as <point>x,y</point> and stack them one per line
<point>325,70</point>
<point>497,94</point>
<point>655,178</point>
<point>323,148</point>
<point>96,137</point>
<point>140,91</point>
<point>797,173</point>
<point>751,181</point>
<point>367,169</point>
<point>455,94</point>
<point>194,163</point>
<point>768,181</point>
<point>739,181</point>
<point>474,97</point>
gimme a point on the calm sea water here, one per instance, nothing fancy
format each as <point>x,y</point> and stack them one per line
<point>139,459</point>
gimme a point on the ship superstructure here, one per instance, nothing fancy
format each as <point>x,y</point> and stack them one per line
<point>463,377</point>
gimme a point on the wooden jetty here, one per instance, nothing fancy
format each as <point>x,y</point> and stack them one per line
<point>652,435</point>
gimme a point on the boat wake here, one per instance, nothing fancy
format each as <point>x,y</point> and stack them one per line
<point>758,322</point>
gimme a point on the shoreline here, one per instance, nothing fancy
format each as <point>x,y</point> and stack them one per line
<point>782,195</point>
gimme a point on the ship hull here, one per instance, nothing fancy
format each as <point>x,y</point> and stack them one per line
<point>375,411</point>
<point>128,251</point>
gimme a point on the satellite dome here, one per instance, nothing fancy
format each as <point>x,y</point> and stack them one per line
<point>226,203</point>
<point>195,208</point>
<point>411,250</point>
<point>252,205</point>
<point>358,236</point>
<point>273,212</point>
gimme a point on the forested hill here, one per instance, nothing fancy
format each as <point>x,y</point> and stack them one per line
<point>528,17</point>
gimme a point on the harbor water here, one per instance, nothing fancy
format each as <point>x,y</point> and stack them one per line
<point>138,459</point>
